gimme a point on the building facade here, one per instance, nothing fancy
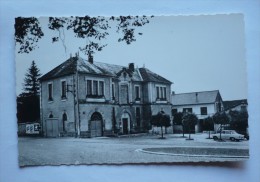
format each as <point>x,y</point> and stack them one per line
<point>203,104</point>
<point>235,105</point>
<point>90,99</point>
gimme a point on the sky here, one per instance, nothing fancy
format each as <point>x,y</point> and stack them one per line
<point>196,53</point>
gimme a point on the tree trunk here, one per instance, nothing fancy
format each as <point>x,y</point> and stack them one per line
<point>162,131</point>
<point>182,131</point>
<point>189,132</point>
<point>209,134</point>
<point>220,131</point>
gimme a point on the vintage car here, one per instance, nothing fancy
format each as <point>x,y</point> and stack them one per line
<point>228,135</point>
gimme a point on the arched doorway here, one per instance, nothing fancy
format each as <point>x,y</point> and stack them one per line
<point>96,125</point>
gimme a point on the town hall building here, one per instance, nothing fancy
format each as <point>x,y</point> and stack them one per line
<point>86,98</point>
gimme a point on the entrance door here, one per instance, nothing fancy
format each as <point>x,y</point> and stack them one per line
<point>96,125</point>
<point>96,128</point>
<point>125,126</point>
<point>52,128</point>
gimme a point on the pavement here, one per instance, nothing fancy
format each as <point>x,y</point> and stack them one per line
<point>128,150</point>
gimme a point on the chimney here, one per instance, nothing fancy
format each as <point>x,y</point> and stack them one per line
<point>90,58</point>
<point>131,67</point>
<point>196,96</point>
<point>173,93</point>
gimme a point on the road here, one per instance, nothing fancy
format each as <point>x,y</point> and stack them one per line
<point>104,150</point>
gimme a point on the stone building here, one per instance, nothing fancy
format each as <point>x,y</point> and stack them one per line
<point>90,99</point>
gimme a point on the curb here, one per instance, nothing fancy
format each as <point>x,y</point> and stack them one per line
<point>190,155</point>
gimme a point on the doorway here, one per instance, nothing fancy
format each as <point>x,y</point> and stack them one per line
<point>125,126</point>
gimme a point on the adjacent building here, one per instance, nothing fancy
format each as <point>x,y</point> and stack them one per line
<point>235,105</point>
<point>89,99</point>
<point>203,104</point>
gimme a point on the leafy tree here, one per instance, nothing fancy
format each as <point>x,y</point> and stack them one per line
<point>177,120</point>
<point>239,120</point>
<point>161,120</point>
<point>208,124</point>
<point>222,119</point>
<point>28,31</point>
<point>189,121</point>
<point>28,102</point>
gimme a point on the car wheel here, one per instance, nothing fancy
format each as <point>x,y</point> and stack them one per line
<point>232,139</point>
<point>215,138</point>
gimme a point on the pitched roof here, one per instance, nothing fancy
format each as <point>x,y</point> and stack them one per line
<point>66,68</point>
<point>233,103</point>
<point>74,64</point>
<point>150,76</point>
<point>205,97</point>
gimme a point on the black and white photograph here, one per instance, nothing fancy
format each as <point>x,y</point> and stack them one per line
<point>131,89</point>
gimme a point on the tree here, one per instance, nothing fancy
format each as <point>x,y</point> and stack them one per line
<point>177,120</point>
<point>28,31</point>
<point>239,120</point>
<point>28,102</point>
<point>222,119</point>
<point>31,81</point>
<point>161,120</point>
<point>189,120</point>
<point>208,124</point>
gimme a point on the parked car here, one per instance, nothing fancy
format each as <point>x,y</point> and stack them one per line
<point>228,135</point>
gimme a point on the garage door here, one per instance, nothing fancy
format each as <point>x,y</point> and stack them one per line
<point>52,128</point>
<point>96,128</point>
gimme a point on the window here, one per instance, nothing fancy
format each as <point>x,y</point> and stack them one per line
<point>157,93</point>
<point>160,93</point>
<point>101,88</point>
<point>95,87</point>
<point>89,87</point>
<point>63,90</point>
<point>187,110</point>
<point>203,111</point>
<point>113,91</point>
<point>124,97</point>
<point>50,90</point>
<point>164,92</point>
<point>51,115</point>
<point>137,93</point>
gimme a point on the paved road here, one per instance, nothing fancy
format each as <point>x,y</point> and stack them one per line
<point>56,151</point>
